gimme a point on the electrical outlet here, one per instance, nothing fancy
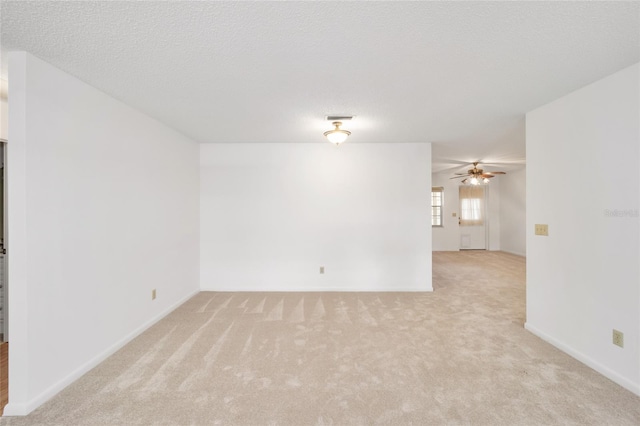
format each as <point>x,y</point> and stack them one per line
<point>618,338</point>
<point>322,269</point>
<point>153,294</point>
<point>542,229</point>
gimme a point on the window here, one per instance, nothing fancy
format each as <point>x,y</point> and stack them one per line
<point>471,205</point>
<point>436,206</point>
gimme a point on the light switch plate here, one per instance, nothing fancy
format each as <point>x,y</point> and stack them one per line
<point>542,229</point>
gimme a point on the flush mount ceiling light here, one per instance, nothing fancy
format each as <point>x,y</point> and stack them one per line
<point>337,135</point>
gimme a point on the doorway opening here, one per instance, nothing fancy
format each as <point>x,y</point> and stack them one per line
<point>473,217</point>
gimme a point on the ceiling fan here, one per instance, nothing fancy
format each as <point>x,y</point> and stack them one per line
<point>476,176</point>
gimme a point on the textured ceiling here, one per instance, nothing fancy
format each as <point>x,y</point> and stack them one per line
<point>458,74</point>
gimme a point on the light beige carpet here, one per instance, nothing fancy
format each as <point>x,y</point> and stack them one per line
<point>458,355</point>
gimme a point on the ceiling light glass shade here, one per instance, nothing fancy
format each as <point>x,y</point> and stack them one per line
<point>337,135</point>
<point>474,180</point>
<point>485,180</point>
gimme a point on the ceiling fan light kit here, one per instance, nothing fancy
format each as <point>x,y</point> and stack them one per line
<point>476,176</point>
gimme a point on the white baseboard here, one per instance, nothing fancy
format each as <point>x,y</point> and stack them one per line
<point>316,290</point>
<point>22,409</point>
<point>605,371</point>
<point>16,410</point>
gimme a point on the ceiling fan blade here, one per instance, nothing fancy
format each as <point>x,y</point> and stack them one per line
<point>477,173</point>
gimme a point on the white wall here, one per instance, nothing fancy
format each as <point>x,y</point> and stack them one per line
<point>582,180</point>
<point>513,212</point>
<point>4,115</point>
<point>103,208</point>
<point>447,238</point>
<point>494,195</point>
<point>272,214</point>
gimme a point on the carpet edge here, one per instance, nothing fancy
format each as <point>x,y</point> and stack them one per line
<point>589,362</point>
<point>23,409</point>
